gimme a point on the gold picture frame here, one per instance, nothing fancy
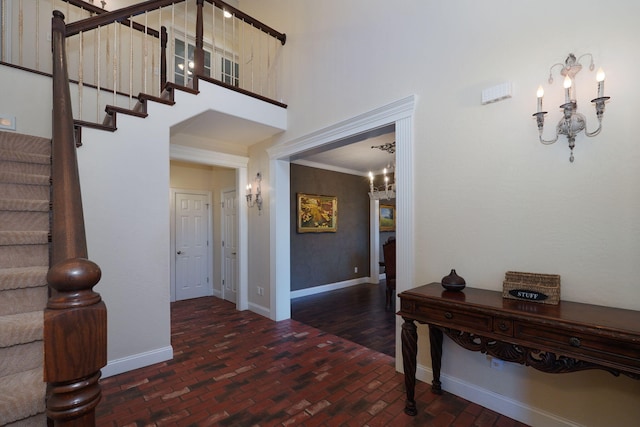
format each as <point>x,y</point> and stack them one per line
<point>387,218</point>
<point>317,214</point>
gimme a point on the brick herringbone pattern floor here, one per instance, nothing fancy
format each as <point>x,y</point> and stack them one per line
<point>240,369</point>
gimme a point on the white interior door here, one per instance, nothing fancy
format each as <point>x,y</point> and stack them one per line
<point>191,246</point>
<point>229,246</point>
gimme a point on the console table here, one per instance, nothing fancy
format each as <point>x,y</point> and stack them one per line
<point>552,338</point>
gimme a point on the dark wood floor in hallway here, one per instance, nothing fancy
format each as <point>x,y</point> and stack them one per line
<point>240,369</point>
<point>356,313</point>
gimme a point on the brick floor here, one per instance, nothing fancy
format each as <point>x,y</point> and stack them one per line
<point>240,369</point>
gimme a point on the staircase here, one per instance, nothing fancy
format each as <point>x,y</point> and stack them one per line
<point>24,261</point>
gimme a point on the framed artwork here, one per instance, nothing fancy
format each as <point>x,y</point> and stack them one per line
<point>317,214</point>
<point>387,218</point>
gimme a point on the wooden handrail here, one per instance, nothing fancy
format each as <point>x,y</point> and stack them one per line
<point>88,6</point>
<point>75,319</point>
<point>120,15</point>
<point>250,20</point>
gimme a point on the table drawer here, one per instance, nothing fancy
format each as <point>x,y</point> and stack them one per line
<point>453,318</point>
<point>503,326</point>
<point>579,344</point>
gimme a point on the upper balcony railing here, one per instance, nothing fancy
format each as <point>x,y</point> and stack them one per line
<point>113,56</point>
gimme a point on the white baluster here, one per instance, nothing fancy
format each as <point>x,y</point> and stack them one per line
<point>130,61</point>
<point>97,65</point>
<point>20,31</point>
<point>80,74</point>
<point>146,53</point>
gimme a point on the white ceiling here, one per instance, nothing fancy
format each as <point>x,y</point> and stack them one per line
<point>357,158</point>
<point>224,127</point>
<point>354,155</point>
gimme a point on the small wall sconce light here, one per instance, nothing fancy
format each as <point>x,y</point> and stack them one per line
<point>572,122</point>
<point>255,199</point>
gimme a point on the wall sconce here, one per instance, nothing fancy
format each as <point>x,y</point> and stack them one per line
<point>255,199</point>
<point>572,122</point>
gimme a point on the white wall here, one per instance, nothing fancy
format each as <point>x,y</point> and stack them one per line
<point>125,188</point>
<point>27,97</point>
<point>491,197</point>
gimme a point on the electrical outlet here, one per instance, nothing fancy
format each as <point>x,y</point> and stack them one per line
<point>355,269</point>
<point>7,122</point>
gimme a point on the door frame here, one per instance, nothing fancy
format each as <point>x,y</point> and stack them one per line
<point>221,260</point>
<point>401,114</point>
<point>172,233</point>
<point>239,163</point>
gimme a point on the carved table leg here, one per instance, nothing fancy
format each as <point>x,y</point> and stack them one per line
<point>435,340</point>
<point>409,352</point>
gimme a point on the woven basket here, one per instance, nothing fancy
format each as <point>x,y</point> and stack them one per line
<point>542,288</point>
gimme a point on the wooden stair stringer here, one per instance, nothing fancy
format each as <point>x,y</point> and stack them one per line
<point>109,124</point>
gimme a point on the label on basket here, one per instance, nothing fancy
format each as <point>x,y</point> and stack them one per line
<point>528,294</point>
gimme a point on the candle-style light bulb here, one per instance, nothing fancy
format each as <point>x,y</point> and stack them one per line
<point>600,79</point>
<point>567,89</point>
<point>540,94</point>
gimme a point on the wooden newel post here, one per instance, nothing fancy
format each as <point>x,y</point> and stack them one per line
<point>75,320</point>
<point>198,54</point>
<point>75,348</point>
<point>163,57</point>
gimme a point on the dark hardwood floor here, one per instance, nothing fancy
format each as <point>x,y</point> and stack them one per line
<point>356,313</point>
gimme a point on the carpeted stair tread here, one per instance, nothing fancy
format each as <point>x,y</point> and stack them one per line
<point>28,402</point>
<point>20,358</point>
<point>23,255</point>
<point>21,142</point>
<point>24,221</point>
<point>24,205</point>
<point>23,237</point>
<point>23,178</point>
<point>25,168</point>
<point>38,420</point>
<point>23,277</point>
<point>23,300</point>
<point>24,157</point>
<point>30,168</point>
<point>22,191</point>
<point>21,328</point>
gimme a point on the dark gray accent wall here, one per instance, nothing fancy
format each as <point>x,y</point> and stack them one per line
<point>325,258</point>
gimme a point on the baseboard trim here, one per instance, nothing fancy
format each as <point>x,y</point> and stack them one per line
<point>329,287</point>
<point>496,402</point>
<point>135,361</point>
<point>262,311</point>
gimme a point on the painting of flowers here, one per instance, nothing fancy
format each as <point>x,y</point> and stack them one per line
<point>317,214</point>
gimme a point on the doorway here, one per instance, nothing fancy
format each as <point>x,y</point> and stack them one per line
<point>223,171</point>
<point>230,246</point>
<point>191,226</point>
<point>401,114</point>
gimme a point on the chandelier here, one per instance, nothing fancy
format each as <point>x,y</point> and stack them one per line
<point>387,190</point>
<point>572,122</point>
